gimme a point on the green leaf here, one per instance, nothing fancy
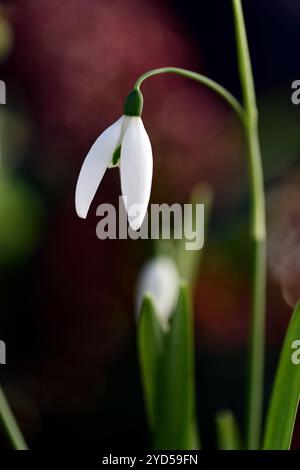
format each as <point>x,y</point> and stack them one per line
<point>188,261</point>
<point>176,428</point>
<point>228,434</point>
<point>150,344</point>
<point>286,391</point>
<point>10,425</point>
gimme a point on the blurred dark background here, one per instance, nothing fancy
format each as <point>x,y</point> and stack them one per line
<point>67,298</point>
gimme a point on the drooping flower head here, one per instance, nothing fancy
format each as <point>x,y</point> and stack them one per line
<point>125,144</point>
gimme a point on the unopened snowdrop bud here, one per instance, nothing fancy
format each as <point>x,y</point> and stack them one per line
<point>125,143</point>
<point>159,277</point>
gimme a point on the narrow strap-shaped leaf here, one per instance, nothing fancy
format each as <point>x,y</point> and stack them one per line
<point>189,261</point>
<point>194,436</point>
<point>176,428</point>
<point>286,392</point>
<point>10,424</point>
<point>150,343</point>
<point>228,434</point>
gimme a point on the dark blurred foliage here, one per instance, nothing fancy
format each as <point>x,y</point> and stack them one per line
<point>67,298</point>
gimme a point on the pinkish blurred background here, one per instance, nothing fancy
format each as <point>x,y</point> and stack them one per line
<point>67,298</point>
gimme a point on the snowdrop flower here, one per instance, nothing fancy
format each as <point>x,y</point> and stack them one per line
<point>126,144</point>
<point>159,277</point>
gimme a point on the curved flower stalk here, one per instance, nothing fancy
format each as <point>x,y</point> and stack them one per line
<point>125,143</point>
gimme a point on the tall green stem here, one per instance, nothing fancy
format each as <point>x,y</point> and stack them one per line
<point>258,235</point>
<point>10,425</point>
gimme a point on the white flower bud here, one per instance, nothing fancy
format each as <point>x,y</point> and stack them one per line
<point>159,277</point>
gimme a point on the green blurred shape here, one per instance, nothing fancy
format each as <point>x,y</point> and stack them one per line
<point>279,131</point>
<point>167,370</point>
<point>150,346</point>
<point>6,37</point>
<point>10,425</point>
<point>15,131</point>
<point>228,434</point>
<point>176,428</point>
<point>189,261</point>
<point>20,220</point>
<point>286,392</point>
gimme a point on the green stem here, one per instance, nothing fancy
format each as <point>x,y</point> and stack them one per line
<point>231,100</point>
<point>10,424</point>
<point>258,235</point>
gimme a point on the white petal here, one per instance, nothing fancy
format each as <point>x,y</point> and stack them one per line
<point>136,171</point>
<point>94,167</point>
<point>160,278</point>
